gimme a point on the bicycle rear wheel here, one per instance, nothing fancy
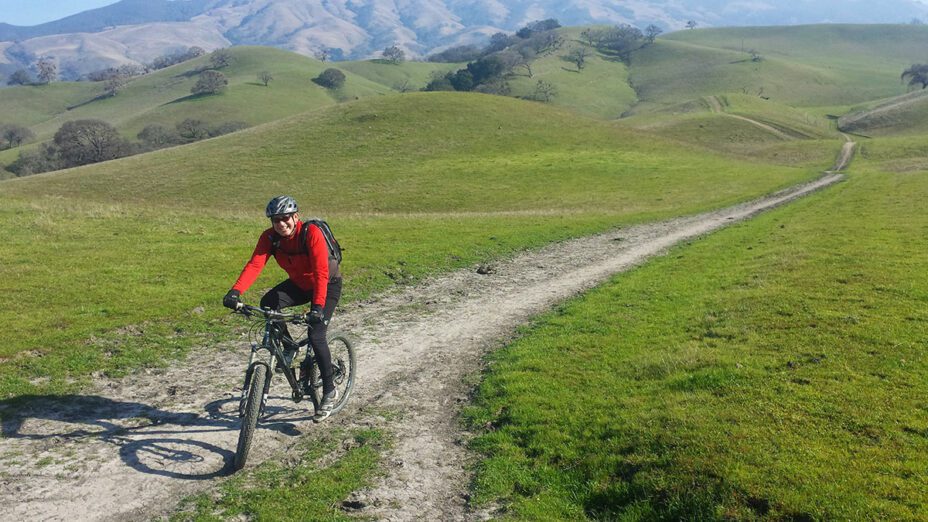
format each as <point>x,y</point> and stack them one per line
<point>343,366</point>
<point>250,417</point>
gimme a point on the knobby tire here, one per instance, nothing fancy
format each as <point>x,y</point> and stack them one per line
<point>342,355</point>
<point>250,419</point>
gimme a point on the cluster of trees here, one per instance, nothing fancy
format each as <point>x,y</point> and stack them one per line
<point>115,78</point>
<point>502,56</point>
<point>461,53</point>
<point>168,60</point>
<point>77,142</point>
<point>505,55</point>
<point>156,136</point>
<point>46,72</point>
<point>46,69</point>
<point>621,39</point>
<point>82,142</point>
<point>12,135</point>
<point>211,81</point>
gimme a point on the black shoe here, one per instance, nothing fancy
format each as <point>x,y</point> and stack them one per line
<point>326,406</point>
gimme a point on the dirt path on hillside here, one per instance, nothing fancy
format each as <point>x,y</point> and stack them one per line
<point>715,105</point>
<point>129,449</point>
<point>848,121</point>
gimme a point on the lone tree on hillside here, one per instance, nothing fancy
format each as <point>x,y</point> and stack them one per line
<point>578,56</point>
<point>544,91</point>
<point>15,135</point>
<point>691,24</point>
<point>20,77</point>
<point>917,74</point>
<point>394,54</point>
<point>220,58</point>
<point>210,82</point>
<point>81,142</point>
<point>651,32</point>
<point>265,77</point>
<point>47,70</point>
<point>330,79</point>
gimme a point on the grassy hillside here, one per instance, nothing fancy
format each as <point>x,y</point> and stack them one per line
<point>413,184</point>
<point>599,90</point>
<point>404,76</point>
<point>906,114</point>
<point>800,66</point>
<point>773,371</point>
<point>164,96</point>
<point>761,130</point>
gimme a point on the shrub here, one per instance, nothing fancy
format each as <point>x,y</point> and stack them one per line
<point>210,82</point>
<point>330,79</point>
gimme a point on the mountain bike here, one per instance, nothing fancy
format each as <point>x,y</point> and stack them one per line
<point>268,325</point>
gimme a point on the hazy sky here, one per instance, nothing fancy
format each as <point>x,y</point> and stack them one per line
<point>34,12</point>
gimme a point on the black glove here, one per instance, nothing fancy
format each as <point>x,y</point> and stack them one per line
<point>231,300</point>
<point>315,315</point>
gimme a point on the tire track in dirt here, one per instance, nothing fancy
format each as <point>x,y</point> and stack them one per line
<point>129,449</point>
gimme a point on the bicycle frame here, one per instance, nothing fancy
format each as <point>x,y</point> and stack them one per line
<point>273,344</point>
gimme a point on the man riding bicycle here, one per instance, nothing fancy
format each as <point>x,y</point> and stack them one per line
<point>314,277</point>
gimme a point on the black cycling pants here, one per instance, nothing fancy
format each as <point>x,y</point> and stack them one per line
<point>287,294</point>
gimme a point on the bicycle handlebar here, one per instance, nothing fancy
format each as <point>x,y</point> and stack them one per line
<point>270,315</point>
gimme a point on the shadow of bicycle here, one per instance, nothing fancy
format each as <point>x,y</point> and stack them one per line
<point>180,445</point>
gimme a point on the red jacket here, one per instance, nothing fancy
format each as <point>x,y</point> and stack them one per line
<point>309,272</point>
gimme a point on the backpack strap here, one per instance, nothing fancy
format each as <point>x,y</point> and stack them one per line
<point>275,242</point>
<point>304,234</point>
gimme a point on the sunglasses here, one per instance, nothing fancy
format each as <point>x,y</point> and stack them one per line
<point>281,219</point>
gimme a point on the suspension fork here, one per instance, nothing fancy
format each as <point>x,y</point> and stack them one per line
<point>253,361</point>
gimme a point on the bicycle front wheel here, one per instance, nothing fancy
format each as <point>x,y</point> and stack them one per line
<point>250,417</point>
<point>343,367</point>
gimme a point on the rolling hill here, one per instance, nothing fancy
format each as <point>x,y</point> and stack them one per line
<point>163,97</point>
<point>805,66</point>
<point>905,114</point>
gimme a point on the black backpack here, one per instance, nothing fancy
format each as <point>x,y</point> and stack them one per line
<point>335,250</point>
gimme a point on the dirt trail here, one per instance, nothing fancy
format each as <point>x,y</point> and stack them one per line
<point>715,105</point>
<point>849,120</point>
<point>130,448</point>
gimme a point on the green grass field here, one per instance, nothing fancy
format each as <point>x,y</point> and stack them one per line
<point>775,370</point>
<point>413,183</point>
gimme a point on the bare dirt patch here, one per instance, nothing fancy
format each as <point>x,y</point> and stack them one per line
<point>129,448</point>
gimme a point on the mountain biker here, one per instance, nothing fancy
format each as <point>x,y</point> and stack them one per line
<point>312,279</point>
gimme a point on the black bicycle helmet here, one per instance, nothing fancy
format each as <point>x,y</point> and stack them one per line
<point>281,205</point>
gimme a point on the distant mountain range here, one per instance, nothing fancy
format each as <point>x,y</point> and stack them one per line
<point>137,31</point>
